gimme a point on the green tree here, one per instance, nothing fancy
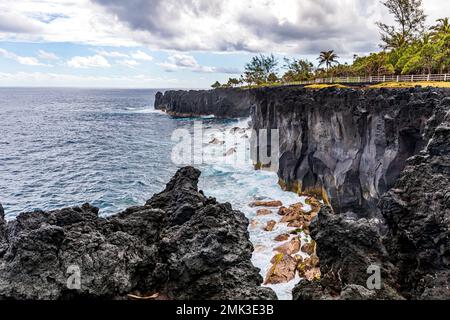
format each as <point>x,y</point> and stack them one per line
<point>259,68</point>
<point>410,21</point>
<point>233,82</point>
<point>328,58</point>
<point>272,78</point>
<point>441,29</point>
<point>216,85</point>
<point>297,70</point>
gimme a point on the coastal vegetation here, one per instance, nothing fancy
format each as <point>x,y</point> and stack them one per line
<point>407,47</point>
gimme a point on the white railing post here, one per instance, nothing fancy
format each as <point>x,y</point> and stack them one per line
<point>428,77</point>
<point>398,78</point>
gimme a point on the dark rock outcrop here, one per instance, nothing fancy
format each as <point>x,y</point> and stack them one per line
<point>222,103</point>
<point>417,213</point>
<point>348,146</point>
<point>181,245</point>
<point>347,247</point>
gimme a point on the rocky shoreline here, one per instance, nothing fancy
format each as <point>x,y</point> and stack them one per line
<point>379,159</point>
<point>179,245</point>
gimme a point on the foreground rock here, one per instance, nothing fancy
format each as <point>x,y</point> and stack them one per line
<point>180,245</point>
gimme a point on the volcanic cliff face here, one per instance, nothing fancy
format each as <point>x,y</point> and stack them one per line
<point>222,103</point>
<point>410,244</point>
<point>348,146</point>
<point>181,245</point>
<point>380,159</point>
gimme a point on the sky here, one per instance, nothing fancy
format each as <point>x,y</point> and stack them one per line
<point>176,43</point>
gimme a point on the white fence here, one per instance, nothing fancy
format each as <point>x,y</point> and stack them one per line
<point>378,79</point>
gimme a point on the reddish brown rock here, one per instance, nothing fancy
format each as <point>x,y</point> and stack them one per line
<point>299,258</point>
<point>309,248</point>
<point>312,274</point>
<point>283,211</point>
<point>282,237</point>
<point>313,260</point>
<point>296,224</point>
<point>282,271</point>
<point>269,204</point>
<point>315,208</point>
<point>263,212</point>
<point>291,247</point>
<point>270,225</point>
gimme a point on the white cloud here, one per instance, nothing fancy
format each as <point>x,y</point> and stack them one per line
<point>45,55</point>
<point>128,63</point>
<point>11,22</point>
<point>183,60</point>
<point>96,61</point>
<point>281,26</point>
<point>178,61</point>
<point>28,61</point>
<point>140,55</point>
<point>112,54</point>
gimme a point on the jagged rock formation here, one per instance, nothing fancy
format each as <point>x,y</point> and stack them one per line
<point>180,244</point>
<point>222,103</point>
<point>417,213</point>
<point>347,146</point>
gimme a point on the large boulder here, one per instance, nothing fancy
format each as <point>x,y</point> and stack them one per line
<point>181,245</point>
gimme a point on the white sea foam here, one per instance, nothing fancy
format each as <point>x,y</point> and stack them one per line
<point>238,183</point>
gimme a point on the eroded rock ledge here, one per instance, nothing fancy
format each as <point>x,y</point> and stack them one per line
<point>222,103</point>
<point>180,245</point>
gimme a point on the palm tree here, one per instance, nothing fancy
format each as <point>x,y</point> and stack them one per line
<point>442,28</point>
<point>328,58</point>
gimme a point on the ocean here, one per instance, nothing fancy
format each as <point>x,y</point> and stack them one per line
<point>64,147</point>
